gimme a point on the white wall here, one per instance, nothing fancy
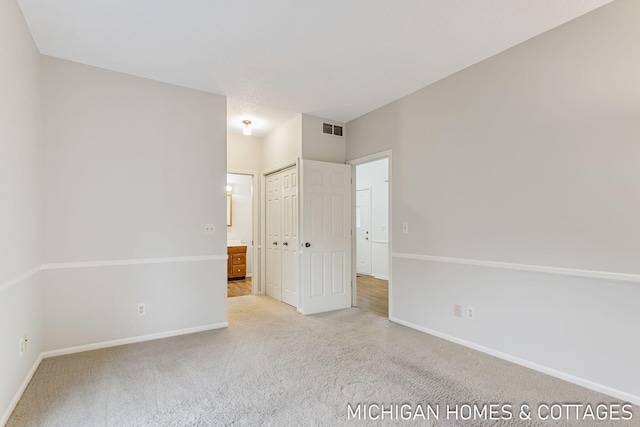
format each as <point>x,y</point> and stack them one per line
<point>283,144</point>
<point>320,146</point>
<point>242,222</point>
<point>529,157</point>
<point>20,203</point>
<point>133,169</point>
<point>244,152</point>
<point>375,176</point>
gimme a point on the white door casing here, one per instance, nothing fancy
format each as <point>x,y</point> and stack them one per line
<point>363,231</point>
<point>326,237</point>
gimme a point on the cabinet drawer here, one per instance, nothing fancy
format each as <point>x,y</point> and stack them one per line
<point>239,270</point>
<point>237,259</point>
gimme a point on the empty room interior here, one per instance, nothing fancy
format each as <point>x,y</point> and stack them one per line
<point>317,213</point>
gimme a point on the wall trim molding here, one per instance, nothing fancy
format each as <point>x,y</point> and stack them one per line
<point>19,278</point>
<point>132,340</point>
<point>594,274</point>
<point>626,397</point>
<point>20,391</point>
<point>135,261</point>
<point>107,263</point>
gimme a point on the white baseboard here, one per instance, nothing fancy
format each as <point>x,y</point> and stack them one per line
<point>132,340</point>
<point>626,397</point>
<point>18,395</point>
<point>381,277</point>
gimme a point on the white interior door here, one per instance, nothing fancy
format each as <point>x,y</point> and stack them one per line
<point>273,222</point>
<point>290,248</point>
<point>326,237</point>
<point>363,231</point>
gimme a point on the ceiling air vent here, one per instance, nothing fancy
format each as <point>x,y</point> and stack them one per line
<point>331,129</point>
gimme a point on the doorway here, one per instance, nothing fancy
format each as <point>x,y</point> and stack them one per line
<point>241,265</point>
<point>372,234</point>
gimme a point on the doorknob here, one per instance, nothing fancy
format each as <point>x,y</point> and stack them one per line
<point>307,245</point>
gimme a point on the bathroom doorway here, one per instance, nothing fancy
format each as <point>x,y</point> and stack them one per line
<point>241,265</point>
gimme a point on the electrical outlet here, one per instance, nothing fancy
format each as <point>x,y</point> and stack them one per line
<point>209,229</point>
<point>142,309</point>
<point>471,313</point>
<point>457,310</point>
<point>23,345</point>
<point>405,227</point>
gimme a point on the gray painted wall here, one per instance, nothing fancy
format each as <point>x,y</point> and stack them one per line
<point>20,202</point>
<point>320,146</point>
<point>529,157</point>
<point>133,169</point>
<point>283,145</point>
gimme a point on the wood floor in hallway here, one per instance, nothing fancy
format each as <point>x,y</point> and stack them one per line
<point>373,295</point>
<point>238,288</point>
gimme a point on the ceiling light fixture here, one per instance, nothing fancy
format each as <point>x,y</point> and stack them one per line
<point>246,130</point>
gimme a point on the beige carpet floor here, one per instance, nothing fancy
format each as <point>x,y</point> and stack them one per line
<point>275,367</point>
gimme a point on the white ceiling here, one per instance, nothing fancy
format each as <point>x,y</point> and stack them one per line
<point>273,59</point>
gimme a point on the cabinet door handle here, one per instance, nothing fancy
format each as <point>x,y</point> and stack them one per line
<point>307,245</point>
<point>275,243</point>
<point>285,244</point>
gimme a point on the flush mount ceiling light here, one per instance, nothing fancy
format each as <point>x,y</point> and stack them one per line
<point>246,130</point>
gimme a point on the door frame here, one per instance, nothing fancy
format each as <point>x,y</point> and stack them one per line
<point>263,224</point>
<point>255,220</point>
<point>386,154</point>
<point>370,190</point>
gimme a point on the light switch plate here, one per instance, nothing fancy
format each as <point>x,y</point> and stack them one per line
<point>209,229</point>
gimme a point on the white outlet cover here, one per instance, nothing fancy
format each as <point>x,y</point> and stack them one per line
<point>471,312</point>
<point>23,345</point>
<point>457,310</point>
<point>405,227</point>
<point>142,309</point>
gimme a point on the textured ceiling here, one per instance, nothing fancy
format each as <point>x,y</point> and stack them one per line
<point>273,59</point>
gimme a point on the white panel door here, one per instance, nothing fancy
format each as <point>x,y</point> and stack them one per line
<point>273,234</point>
<point>290,249</point>
<point>326,237</point>
<point>363,231</point>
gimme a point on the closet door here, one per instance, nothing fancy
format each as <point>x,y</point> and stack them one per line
<point>273,222</point>
<point>290,248</point>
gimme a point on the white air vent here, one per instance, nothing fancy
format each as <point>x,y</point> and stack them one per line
<point>330,129</point>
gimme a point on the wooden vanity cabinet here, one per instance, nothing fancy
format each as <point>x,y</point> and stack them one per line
<point>237,262</point>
